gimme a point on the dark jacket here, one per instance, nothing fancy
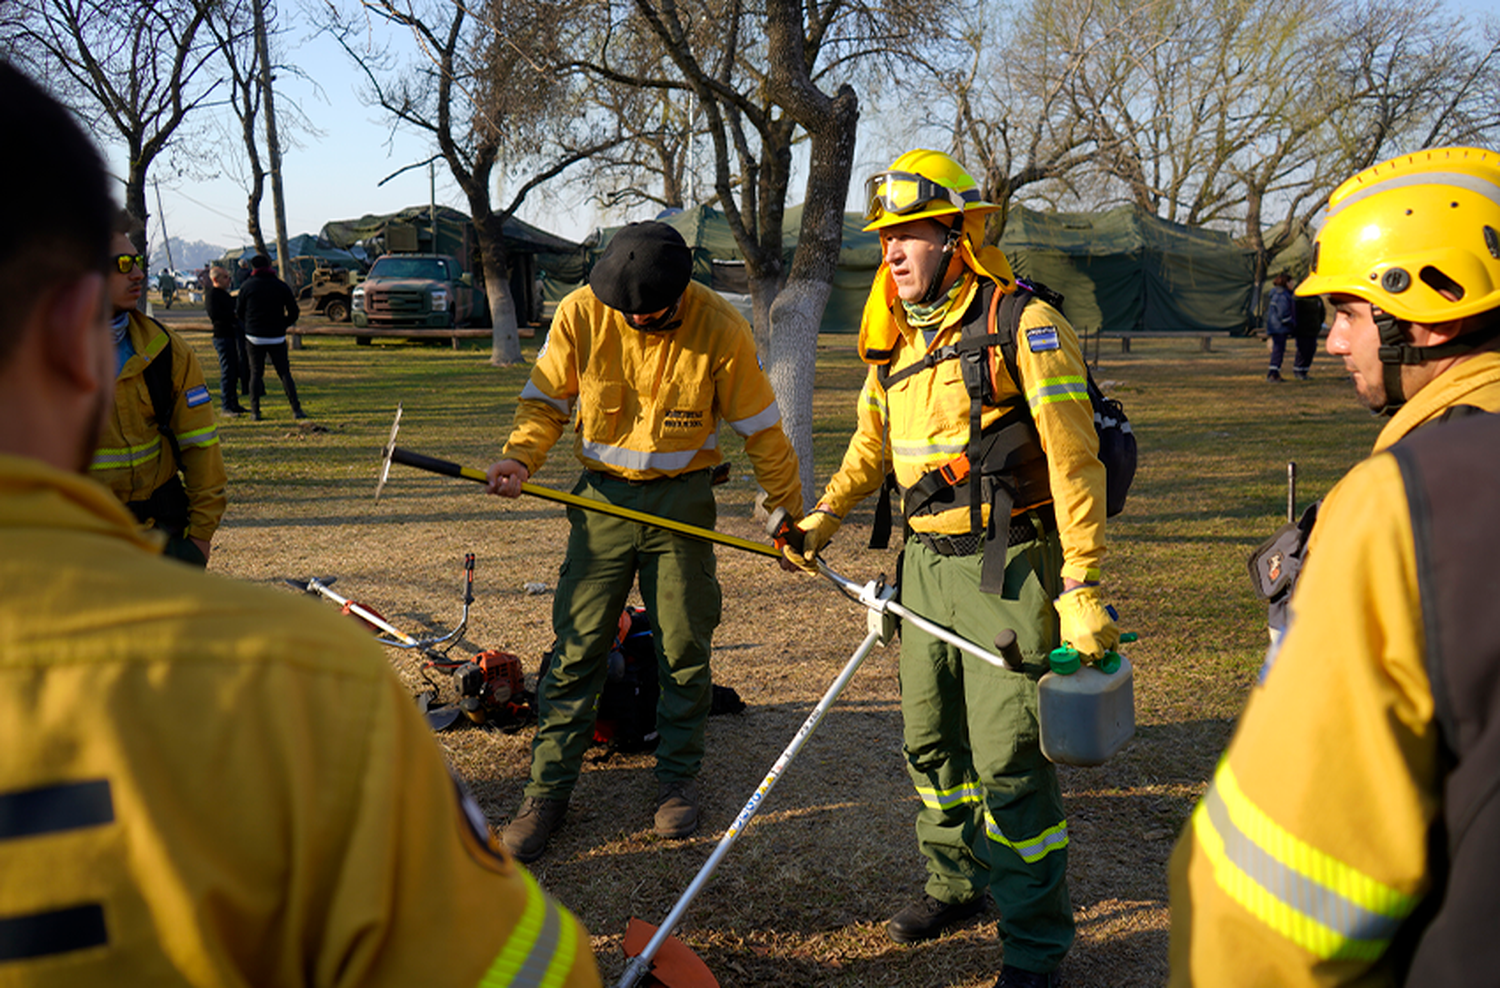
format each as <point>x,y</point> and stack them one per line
<point>266,307</point>
<point>221,312</point>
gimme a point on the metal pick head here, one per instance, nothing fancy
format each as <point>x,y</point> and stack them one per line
<point>390,449</point>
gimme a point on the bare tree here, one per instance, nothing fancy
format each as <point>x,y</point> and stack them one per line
<point>137,70</point>
<point>766,78</point>
<point>482,86</point>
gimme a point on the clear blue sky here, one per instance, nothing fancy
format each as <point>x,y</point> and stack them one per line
<point>336,175</point>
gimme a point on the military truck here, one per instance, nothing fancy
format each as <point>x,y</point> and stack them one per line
<point>417,292</point>
<point>330,291</point>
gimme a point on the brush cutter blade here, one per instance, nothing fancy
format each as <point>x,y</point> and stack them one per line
<point>674,966</point>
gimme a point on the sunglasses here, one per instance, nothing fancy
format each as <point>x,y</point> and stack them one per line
<point>125,262</point>
<point>906,192</point>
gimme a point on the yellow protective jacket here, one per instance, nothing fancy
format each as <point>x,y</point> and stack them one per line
<point>1311,844</point>
<point>1474,380</point>
<point>208,783</point>
<point>133,459</point>
<point>648,404</point>
<point>923,422</point>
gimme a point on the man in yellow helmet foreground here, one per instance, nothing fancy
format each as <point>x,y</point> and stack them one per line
<point>1351,834</point>
<point>1009,538</point>
<point>202,783</point>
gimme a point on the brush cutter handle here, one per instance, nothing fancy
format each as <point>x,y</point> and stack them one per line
<point>784,531</point>
<point>433,465</point>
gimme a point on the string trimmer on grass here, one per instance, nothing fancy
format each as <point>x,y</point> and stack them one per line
<point>490,686</point>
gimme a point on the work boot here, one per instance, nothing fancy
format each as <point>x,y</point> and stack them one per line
<point>1274,376</point>
<point>930,917</point>
<point>526,836</point>
<point>677,808</point>
<point>1014,977</point>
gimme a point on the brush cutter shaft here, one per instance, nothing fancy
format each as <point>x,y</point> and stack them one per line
<point>641,964</point>
<point>447,469</point>
<point>363,613</point>
<point>869,595</point>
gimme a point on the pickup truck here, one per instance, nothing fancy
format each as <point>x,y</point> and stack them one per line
<point>417,291</point>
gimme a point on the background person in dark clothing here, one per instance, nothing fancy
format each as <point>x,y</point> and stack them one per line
<point>266,307</point>
<point>1310,315</point>
<point>229,343</point>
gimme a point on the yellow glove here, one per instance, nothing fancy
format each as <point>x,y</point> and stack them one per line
<point>1086,625</point>
<point>817,529</point>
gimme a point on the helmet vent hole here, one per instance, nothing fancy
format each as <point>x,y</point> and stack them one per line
<point>1492,241</point>
<point>1443,284</point>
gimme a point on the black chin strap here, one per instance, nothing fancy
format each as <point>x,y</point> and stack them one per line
<point>950,244</point>
<point>1396,350</point>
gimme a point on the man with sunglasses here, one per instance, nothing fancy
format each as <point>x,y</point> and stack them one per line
<point>160,451</point>
<point>649,362</point>
<point>1032,508</point>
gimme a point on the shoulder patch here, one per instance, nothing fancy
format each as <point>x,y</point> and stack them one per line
<point>197,396</point>
<point>1041,338</point>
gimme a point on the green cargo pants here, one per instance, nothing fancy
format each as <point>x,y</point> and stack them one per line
<point>680,589</point>
<point>992,814</point>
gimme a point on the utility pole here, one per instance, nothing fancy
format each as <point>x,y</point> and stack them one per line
<point>161,219</point>
<point>273,145</point>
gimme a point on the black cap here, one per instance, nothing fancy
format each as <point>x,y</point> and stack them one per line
<point>645,268</point>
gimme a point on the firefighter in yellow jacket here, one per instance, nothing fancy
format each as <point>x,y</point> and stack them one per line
<point>160,450</point>
<point>648,362</point>
<point>994,540</point>
<point>1308,861</point>
<point>202,783</point>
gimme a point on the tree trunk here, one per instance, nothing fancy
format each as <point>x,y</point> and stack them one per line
<point>798,310</point>
<point>505,338</point>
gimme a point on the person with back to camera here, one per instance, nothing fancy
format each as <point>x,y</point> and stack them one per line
<point>267,308</point>
<point>1014,541</point>
<point>229,341</point>
<point>1350,834</point>
<point>203,783</point>
<point>159,452</point>
<point>1281,320</point>
<point>649,361</point>
<point>1310,314</point>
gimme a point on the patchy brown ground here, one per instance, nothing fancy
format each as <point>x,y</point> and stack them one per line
<point>801,898</point>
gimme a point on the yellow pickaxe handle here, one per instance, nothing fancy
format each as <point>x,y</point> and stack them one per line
<point>432,465</point>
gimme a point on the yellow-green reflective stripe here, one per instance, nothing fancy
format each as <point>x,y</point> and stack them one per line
<point>108,459</point>
<point>199,437</point>
<point>1069,388</point>
<point>942,799</point>
<point>1035,849</point>
<point>1319,903</point>
<point>541,948</point>
<point>158,343</point>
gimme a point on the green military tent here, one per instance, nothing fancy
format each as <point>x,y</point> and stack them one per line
<point>1124,269</point>
<point>1119,270</point>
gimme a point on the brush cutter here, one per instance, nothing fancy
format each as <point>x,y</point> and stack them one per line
<point>394,454</point>
<point>673,970</point>
<point>488,685</point>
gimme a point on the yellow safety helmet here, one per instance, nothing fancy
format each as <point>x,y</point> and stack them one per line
<point>920,185</point>
<point>1401,232</point>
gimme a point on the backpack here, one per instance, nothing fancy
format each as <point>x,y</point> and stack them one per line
<point>1012,464</point>
<point>626,719</point>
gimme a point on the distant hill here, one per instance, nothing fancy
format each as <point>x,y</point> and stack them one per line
<point>187,255</point>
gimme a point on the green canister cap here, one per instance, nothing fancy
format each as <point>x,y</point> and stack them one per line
<point>1110,663</point>
<point>1064,660</point>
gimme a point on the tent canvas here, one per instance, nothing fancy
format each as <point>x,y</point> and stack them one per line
<point>1118,270</point>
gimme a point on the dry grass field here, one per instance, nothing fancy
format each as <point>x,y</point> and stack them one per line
<point>801,899</point>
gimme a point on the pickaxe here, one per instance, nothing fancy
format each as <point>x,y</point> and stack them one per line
<point>395,454</point>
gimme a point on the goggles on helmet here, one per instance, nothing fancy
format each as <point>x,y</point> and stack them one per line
<point>906,192</point>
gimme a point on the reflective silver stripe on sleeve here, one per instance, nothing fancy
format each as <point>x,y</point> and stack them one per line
<point>1299,892</point>
<point>533,393</point>
<point>750,426</point>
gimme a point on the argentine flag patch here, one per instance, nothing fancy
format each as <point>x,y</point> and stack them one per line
<point>197,396</point>
<point>1041,338</point>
